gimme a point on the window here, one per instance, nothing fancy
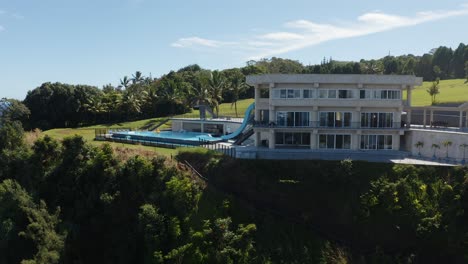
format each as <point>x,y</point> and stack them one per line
<point>332,141</point>
<point>297,139</point>
<point>382,120</point>
<point>308,93</point>
<point>286,93</point>
<point>292,119</point>
<point>387,94</point>
<point>376,142</point>
<point>364,94</point>
<point>323,93</point>
<point>345,94</point>
<point>335,119</point>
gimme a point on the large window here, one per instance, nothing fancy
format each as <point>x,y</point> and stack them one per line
<point>286,93</point>
<point>376,142</point>
<point>292,119</point>
<point>297,139</point>
<point>335,119</point>
<point>308,93</point>
<point>364,94</point>
<point>382,120</point>
<point>332,141</point>
<point>333,94</point>
<point>345,94</point>
<point>387,94</point>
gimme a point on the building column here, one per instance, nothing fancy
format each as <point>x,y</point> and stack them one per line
<point>408,95</point>
<point>271,139</point>
<point>396,141</point>
<point>258,139</point>
<point>408,118</point>
<point>466,119</point>
<point>424,118</point>
<point>356,140</point>
<point>257,98</point>
<point>461,119</point>
<point>272,114</point>
<point>313,139</point>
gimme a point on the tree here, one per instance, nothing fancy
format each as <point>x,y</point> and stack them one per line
<point>442,59</point>
<point>216,85</point>
<point>27,229</point>
<point>137,77</point>
<point>466,71</point>
<point>13,110</point>
<point>124,82</point>
<point>433,90</point>
<point>434,148</point>
<point>447,144</point>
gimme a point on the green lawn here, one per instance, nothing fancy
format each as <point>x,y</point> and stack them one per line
<point>451,91</point>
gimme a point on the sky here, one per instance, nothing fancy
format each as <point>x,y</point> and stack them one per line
<point>97,42</point>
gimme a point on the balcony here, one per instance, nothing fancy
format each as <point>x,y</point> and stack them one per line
<point>318,124</point>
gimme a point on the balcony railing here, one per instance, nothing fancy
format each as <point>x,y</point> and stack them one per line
<point>342,125</point>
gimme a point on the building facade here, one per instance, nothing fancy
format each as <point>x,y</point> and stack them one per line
<point>331,111</point>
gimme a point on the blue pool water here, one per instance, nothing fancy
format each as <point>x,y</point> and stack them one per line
<point>191,138</point>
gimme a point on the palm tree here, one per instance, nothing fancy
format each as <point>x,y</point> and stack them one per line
<point>435,147</point>
<point>95,106</point>
<point>419,145</point>
<point>131,104</point>
<point>237,86</point>
<point>216,85</point>
<point>464,146</point>
<point>137,77</point>
<point>447,144</point>
<point>124,82</point>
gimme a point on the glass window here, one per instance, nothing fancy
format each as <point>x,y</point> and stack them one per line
<point>331,94</point>
<point>323,93</point>
<point>330,141</point>
<point>322,141</point>
<point>276,93</point>
<point>362,94</point>
<point>308,93</point>
<point>283,93</point>
<point>279,138</point>
<point>345,94</point>
<point>281,118</point>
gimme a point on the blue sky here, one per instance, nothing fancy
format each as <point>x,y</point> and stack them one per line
<point>98,42</point>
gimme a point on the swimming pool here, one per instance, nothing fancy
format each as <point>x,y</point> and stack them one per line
<point>188,138</point>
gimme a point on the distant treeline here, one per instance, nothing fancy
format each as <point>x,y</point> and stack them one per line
<point>63,105</point>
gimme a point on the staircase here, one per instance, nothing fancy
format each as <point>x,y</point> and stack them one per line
<point>155,126</point>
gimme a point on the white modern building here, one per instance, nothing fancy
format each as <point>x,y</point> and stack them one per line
<point>331,111</point>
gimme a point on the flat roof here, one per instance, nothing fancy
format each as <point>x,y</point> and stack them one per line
<point>335,78</point>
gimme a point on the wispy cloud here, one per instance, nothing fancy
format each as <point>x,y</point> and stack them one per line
<point>196,41</point>
<point>17,16</point>
<point>299,34</point>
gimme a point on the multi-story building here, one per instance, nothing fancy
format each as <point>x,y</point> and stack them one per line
<point>331,111</point>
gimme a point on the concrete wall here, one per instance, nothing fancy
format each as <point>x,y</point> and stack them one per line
<point>430,137</point>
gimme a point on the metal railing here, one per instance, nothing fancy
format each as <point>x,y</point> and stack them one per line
<point>336,125</point>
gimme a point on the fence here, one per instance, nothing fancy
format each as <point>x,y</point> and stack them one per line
<point>219,147</point>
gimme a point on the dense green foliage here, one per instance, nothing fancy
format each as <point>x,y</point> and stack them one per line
<point>105,210</point>
<point>375,213</point>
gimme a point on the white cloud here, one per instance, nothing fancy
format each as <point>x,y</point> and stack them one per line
<point>304,33</point>
<point>197,41</point>
<point>281,36</point>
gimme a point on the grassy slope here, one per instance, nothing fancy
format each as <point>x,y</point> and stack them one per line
<point>450,91</point>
